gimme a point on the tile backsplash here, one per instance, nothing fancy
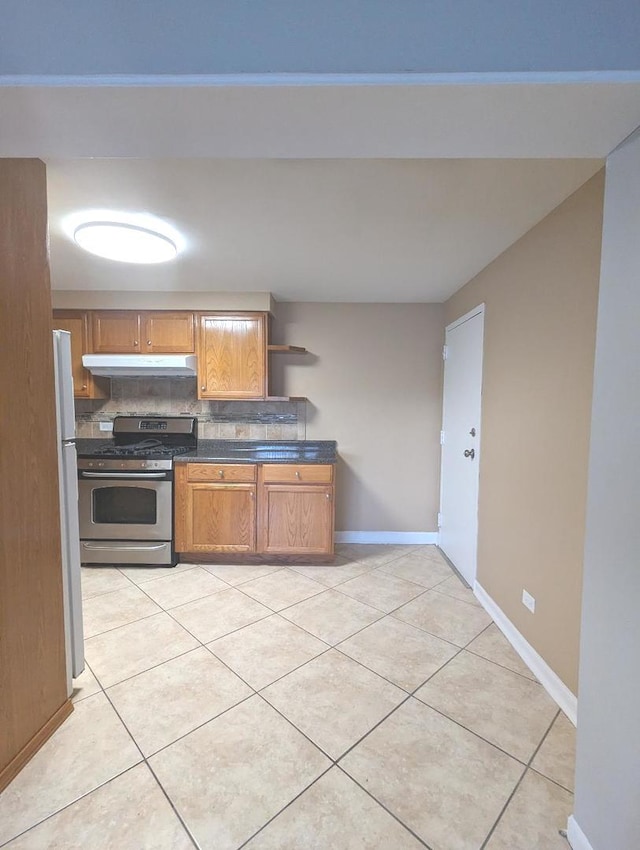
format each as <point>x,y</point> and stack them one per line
<point>232,420</point>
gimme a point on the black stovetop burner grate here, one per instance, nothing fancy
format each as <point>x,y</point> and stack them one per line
<point>151,436</point>
<point>143,448</point>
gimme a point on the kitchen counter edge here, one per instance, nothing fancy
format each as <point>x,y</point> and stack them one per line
<point>261,451</point>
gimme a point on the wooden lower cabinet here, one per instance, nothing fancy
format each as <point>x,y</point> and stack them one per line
<point>219,508</point>
<point>214,517</point>
<point>296,519</point>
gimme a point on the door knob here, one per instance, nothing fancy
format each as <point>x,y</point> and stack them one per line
<point>470,453</point>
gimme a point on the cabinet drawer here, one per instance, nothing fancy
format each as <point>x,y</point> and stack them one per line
<point>291,473</point>
<point>221,472</point>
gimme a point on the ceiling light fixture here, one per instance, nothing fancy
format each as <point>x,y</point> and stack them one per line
<point>124,242</point>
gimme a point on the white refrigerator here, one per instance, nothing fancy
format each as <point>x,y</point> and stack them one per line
<point>69,527</point>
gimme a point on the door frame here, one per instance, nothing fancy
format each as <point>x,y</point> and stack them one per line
<point>476,311</point>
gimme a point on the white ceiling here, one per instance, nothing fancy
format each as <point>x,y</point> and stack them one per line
<point>311,230</point>
<point>332,192</point>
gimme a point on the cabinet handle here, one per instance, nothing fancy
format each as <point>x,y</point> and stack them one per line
<point>221,473</point>
<point>297,474</point>
<point>328,497</point>
<point>83,387</point>
<point>148,342</point>
<point>135,342</point>
<point>252,494</point>
<point>203,388</point>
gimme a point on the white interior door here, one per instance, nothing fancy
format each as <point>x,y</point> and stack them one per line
<point>462,400</point>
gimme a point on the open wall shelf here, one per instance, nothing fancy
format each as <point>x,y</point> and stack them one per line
<point>287,349</point>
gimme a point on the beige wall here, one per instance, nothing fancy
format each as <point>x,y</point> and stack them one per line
<point>373,377</point>
<point>374,382</point>
<point>103,299</point>
<point>541,301</point>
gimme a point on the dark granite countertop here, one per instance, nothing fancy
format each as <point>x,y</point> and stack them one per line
<point>241,451</point>
<point>262,451</point>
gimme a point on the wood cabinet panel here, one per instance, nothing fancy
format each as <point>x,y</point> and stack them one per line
<point>306,473</point>
<point>221,472</point>
<point>78,324</point>
<point>116,332</point>
<point>223,517</point>
<point>168,333</point>
<point>232,356</point>
<point>214,517</point>
<point>33,688</point>
<point>132,332</point>
<point>296,519</point>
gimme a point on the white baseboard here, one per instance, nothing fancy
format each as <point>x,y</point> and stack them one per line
<point>551,682</point>
<point>576,837</point>
<point>399,537</point>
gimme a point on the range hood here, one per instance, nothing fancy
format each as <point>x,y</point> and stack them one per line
<point>141,365</point>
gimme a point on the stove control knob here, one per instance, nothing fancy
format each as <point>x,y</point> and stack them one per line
<point>100,463</point>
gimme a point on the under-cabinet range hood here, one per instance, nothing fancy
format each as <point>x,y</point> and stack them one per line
<point>141,365</point>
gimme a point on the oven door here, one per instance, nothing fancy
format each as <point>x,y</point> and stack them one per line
<point>125,506</point>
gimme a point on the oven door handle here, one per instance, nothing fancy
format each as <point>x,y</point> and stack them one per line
<point>140,476</point>
<point>114,546</point>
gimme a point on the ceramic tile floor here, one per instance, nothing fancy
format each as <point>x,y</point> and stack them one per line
<point>370,705</point>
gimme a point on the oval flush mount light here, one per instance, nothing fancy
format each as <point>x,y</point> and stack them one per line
<point>125,242</point>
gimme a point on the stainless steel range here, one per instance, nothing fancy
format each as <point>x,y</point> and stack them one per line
<point>126,490</point>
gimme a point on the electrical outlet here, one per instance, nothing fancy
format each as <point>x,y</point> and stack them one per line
<point>528,601</point>
<point>106,426</point>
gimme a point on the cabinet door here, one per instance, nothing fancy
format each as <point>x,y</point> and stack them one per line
<point>168,333</point>
<point>116,332</point>
<point>232,356</point>
<point>215,517</point>
<point>77,323</point>
<point>296,519</point>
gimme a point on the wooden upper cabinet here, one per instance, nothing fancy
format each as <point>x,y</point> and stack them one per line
<point>116,332</point>
<point>131,332</point>
<point>78,324</point>
<point>232,356</point>
<point>168,333</point>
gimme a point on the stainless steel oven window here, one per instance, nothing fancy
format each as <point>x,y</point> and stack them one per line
<point>124,505</point>
<point>112,521</point>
